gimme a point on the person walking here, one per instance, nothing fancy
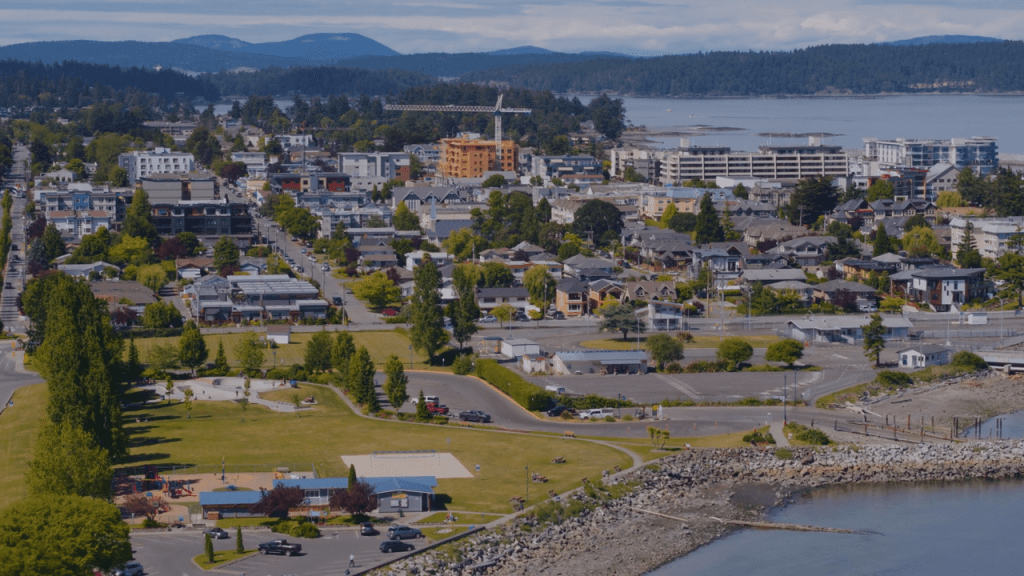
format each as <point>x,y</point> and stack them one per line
<point>351,560</point>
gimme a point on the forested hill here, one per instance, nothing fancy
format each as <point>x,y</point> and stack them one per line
<point>834,69</point>
<point>68,83</point>
<point>317,81</point>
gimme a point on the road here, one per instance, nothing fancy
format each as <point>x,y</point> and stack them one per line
<point>15,275</point>
<point>171,553</point>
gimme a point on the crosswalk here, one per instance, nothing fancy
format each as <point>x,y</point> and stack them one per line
<point>679,385</point>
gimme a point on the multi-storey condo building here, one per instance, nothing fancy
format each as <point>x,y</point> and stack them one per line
<point>979,153</point>
<point>770,162</point>
<point>465,158</point>
<point>140,164</point>
<point>208,219</point>
<point>174,188</point>
<point>568,168</point>
<point>317,182</point>
<point>991,235</point>
<point>388,165</point>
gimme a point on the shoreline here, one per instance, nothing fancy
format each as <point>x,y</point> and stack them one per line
<point>794,96</point>
<point>608,535</point>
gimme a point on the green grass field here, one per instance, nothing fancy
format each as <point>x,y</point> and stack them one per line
<point>164,436</point>
<point>757,341</point>
<point>380,345</point>
<point>19,426</point>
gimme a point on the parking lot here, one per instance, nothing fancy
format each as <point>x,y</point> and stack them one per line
<point>171,553</point>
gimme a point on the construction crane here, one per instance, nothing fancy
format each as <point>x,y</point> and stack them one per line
<point>497,111</point>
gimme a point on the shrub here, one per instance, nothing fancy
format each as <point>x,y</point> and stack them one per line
<point>968,360</point>
<point>594,401</point>
<point>758,438</point>
<point>150,523</point>
<point>809,435</point>
<point>673,368</point>
<point>463,365</point>
<point>783,453</point>
<point>892,379</point>
<point>609,418</point>
<point>299,528</point>
<point>524,393</point>
<point>566,415</point>
<point>707,366</point>
<point>750,401</point>
<point>627,418</point>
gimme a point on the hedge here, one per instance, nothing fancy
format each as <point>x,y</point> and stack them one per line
<point>525,394</point>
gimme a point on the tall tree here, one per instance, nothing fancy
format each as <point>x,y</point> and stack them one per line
<point>971,188</point>
<point>541,286</point>
<point>874,337</point>
<point>812,198</point>
<point>192,350</point>
<point>397,381</point>
<point>53,246</point>
<point>342,350</point>
<point>599,220</point>
<point>225,254</point>
<point>318,352</point>
<point>967,255</point>
<point>360,380</point>
<point>880,189</point>
<point>708,227</point>
<point>249,351</point>
<point>133,366</point>
<point>220,363</point>
<point>427,332</point>
<point>883,244</point>
<point>621,318</point>
<point>138,218</point>
<point>377,289</point>
<point>62,536</point>
<point>404,219</point>
<point>68,462</point>
<point>664,349</point>
<point>277,502</point>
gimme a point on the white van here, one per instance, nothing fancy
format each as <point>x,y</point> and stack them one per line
<point>596,413</point>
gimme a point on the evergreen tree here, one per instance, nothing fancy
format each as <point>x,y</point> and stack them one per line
<point>740,191</point>
<point>422,412</point>
<point>208,548</point>
<point>883,244</point>
<point>318,352</point>
<point>395,385</point>
<point>352,478</point>
<point>192,350</point>
<point>221,362</point>
<point>225,254</point>
<point>729,232</point>
<point>53,246</point>
<point>68,462</point>
<point>133,366</point>
<point>239,546</point>
<point>967,256</point>
<point>341,353</point>
<point>360,380</point>
<point>427,332</point>
<point>709,227</point>
<point>138,218</point>
<point>874,337</point>
<point>972,189</point>
<point>812,198</point>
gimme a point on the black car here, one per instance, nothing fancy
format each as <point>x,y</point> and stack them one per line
<point>557,410</point>
<point>336,300</point>
<point>395,546</point>
<point>474,416</point>
<point>403,533</point>
<point>217,533</point>
<point>367,529</point>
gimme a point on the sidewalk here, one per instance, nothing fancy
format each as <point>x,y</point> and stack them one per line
<point>780,436</point>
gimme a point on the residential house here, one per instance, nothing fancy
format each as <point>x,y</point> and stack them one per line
<point>417,257</point>
<point>665,315</point>
<point>943,288</point>
<point>830,291</point>
<point>600,291</point>
<point>769,276</point>
<point>845,329</point>
<point>487,299</point>
<point>86,270</point>
<point>571,298</point>
<point>600,362</point>
<point>645,291</point>
<point>806,250</point>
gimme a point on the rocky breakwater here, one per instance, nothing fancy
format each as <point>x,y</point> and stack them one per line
<point>613,529</point>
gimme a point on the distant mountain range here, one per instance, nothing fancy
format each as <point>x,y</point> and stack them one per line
<point>948,39</point>
<point>312,47</point>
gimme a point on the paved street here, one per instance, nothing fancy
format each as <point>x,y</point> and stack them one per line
<point>171,553</point>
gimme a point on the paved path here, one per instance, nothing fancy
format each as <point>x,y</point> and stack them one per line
<point>779,434</point>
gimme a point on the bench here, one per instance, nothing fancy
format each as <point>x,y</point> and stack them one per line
<point>558,460</point>
<point>569,433</point>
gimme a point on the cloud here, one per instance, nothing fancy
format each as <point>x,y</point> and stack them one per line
<point>658,26</point>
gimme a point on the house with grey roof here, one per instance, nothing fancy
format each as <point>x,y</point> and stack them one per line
<point>768,276</point>
<point>806,250</point>
<point>829,291</point>
<point>845,329</point>
<point>487,299</point>
<point>924,355</point>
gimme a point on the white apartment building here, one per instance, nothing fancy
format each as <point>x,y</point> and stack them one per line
<point>140,164</point>
<point>979,152</point>
<point>289,141</point>
<point>386,165</point>
<point>255,163</point>
<point>773,162</point>
<point>991,235</point>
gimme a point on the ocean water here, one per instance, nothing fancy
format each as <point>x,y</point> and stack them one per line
<point>926,528</point>
<point>742,122</point>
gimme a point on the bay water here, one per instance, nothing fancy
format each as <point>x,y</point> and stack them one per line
<point>931,528</point>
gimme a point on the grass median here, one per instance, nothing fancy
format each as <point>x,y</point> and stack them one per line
<point>19,426</point>
<point>164,436</point>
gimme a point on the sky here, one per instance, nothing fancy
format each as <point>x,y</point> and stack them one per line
<point>629,26</point>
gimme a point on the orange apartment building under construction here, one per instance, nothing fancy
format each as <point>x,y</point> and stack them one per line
<point>465,158</point>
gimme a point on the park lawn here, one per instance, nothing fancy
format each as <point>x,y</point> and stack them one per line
<point>19,426</point>
<point>220,558</point>
<point>699,341</point>
<point>162,435</point>
<point>381,345</point>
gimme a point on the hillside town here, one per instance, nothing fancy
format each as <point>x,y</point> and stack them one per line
<point>279,334</point>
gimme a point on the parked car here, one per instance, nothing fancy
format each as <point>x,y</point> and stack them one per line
<point>521,317</point>
<point>557,410</point>
<point>326,267</point>
<point>427,399</point>
<point>336,300</point>
<point>558,315</point>
<point>367,529</point>
<point>596,413</point>
<point>130,569</point>
<point>474,416</point>
<point>389,312</point>
<point>403,533</point>
<point>217,533</point>
<point>488,319</point>
<point>437,408</point>
<point>395,546</point>
<point>279,547</point>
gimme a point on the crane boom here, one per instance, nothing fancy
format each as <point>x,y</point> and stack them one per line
<point>497,110</point>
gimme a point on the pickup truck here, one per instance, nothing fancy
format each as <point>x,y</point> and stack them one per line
<point>280,547</point>
<point>434,408</point>
<point>474,416</point>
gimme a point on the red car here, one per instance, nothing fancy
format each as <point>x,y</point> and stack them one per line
<point>390,312</point>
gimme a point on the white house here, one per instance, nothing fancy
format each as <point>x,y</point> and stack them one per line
<point>924,355</point>
<point>416,257</point>
<point>279,334</point>
<point>519,347</point>
<point>140,164</point>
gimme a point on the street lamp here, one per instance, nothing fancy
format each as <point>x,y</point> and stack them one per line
<point>1000,317</point>
<point>527,486</point>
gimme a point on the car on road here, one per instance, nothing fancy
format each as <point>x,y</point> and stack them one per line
<point>426,399</point>
<point>368,529</point>
<point>336,300</point>
<point>130,569</point>
<point>474,416</point>
<point>395,546</point>
<point>521,317</point>
<point>217,533</point>
<point>326,267</point>
<point>403,533</point>
<point>280,547</point>
<point>558,315</point>
<point>389,312</point>
<point>488,319</point>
